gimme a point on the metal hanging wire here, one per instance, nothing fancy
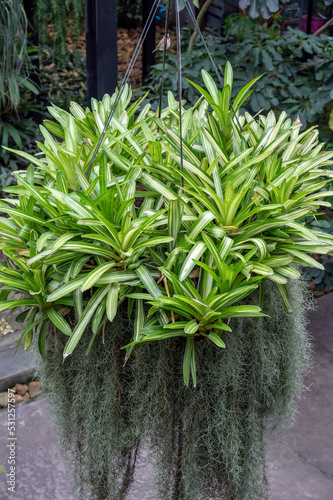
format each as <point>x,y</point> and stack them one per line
<point>166,30</point>
<point>143,35</point>
<point>138,47</point>
<point>179,64</point>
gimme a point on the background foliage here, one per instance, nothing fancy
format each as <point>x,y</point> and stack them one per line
<point>66,18</point>
<point>61,85</point>
<point>297,68</point>
<point>321,280</point>
<point>17,90</point>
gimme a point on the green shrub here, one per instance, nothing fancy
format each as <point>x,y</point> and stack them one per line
<point>136,229</point>
<point>63,84</point>
<point>296,68</point>
<point>66,19</point>
<point>15,60</point>
<point>322,279</point>
<point>17,90</point>
<point>129,13</point>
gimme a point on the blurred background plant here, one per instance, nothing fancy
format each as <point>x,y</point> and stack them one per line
<point>63,84</point>
<point>59,23</point>
<point>321,280</point>
<point>129,13</point>
<point>17,89</point>
<point>57,63</point>
<point>296,68</point>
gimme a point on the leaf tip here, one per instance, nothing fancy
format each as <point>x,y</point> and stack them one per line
<point>64,357</point>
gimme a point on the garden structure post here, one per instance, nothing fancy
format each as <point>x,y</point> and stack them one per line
<point>33,40</point>
<point>309,17</point>
<point>101,43</point>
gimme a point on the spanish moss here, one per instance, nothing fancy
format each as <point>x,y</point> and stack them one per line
<point>206,442</point>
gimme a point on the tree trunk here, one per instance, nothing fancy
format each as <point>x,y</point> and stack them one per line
<point>200,19</point>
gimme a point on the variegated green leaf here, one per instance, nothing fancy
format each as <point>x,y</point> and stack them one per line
<point>59,322</point>
<point>83,322</point>
<point>194,254</point>
<point>112,301</point>
<point>95,275</point>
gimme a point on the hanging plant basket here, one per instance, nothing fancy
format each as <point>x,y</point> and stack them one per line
<point>189,247</point>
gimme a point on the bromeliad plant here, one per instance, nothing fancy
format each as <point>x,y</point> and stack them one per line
<point>181,246</point>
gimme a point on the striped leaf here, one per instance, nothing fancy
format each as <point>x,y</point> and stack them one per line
<point>225,247</point>
<point>148,281</point>
<point>191,327</point>
<point>302,258</point>
<point>112,301</point>
<point>187,361</point>
<point>194,254</point>
<point>99,316</point>
<point>65,290</point>
<point>83,322</point>
<point>78,302</point>
<point>284,294</point>
<point>216,339</point>
<point>204,219</point>
<point>174,221</point>
<point>62,240</point>
<point>17,303</point>
<point>42,339</point>
<point>156,185</point>
<point>152,242</point>
<point>58,321</point>
<point>96,274</point>
<point>241,312</point>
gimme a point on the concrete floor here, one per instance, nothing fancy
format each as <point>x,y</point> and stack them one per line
<point>300,464</point>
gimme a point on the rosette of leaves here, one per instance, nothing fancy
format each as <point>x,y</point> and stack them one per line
<point>181,248</point>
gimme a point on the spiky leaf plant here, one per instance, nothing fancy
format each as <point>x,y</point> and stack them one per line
<point>182,243</point>
<point>133,231</point>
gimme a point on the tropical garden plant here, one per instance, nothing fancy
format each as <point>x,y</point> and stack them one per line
<point>189,243</point>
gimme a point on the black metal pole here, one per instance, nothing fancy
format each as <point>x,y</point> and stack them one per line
<point>90,23</point>
<point>101,47</point>
<point>309,19</point>
<point>148,57</point>
<point>33,40</point>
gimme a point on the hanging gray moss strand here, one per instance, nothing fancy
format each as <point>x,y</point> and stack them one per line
<point>207,443</point>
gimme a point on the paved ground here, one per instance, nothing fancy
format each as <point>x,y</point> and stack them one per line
<point>14,368</point>
<point>300,464</point>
